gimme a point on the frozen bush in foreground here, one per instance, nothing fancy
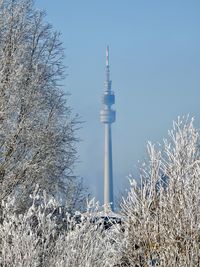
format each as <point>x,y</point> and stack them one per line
<point>26,240</point>
<point>38,238</point>
<point>163,213</point>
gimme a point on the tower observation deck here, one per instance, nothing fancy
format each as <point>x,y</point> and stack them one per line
<point>107,117</point>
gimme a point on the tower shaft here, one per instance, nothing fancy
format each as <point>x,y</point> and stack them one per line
<point>107,116</point>
<point>108,168</point>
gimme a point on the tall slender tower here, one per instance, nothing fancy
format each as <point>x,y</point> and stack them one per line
<point>107,117</point>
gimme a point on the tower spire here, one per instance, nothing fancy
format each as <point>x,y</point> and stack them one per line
<point>107,117</point>
<point>107,81</point>
<point>107,56</point>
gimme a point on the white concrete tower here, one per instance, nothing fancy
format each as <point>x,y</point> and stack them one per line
<point>107,117</point>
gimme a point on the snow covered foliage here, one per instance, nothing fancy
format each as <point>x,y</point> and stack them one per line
<point>160,225</point>
<point>37,130</point>
<point>39,237</point>
<point>162,214</point>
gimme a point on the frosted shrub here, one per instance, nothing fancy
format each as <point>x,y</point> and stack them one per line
<point>163,212</point>
<point>41,238</point>
<point>26,240</point>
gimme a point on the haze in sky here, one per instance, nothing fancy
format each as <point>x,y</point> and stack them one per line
<point>155,66</point>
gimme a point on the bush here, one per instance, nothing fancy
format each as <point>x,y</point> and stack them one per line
<point>38,238</point>
<point>163,213</point>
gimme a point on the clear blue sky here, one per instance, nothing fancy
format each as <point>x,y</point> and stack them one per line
<point>155,70</point>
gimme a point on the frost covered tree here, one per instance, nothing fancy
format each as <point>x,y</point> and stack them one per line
<point>37,130</point>
<point>162,214</point>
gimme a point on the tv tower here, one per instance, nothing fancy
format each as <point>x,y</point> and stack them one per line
<point>107,117</point>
